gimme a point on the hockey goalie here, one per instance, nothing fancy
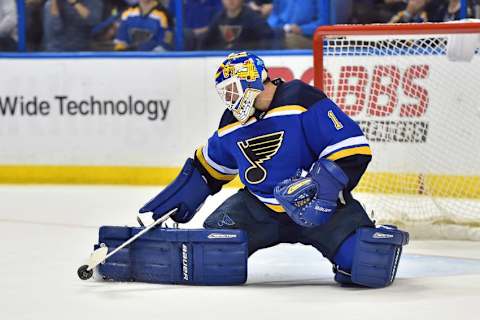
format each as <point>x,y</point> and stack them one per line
<point>299,157</point>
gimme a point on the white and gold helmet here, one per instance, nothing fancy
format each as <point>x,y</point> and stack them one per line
<point>239,80</point>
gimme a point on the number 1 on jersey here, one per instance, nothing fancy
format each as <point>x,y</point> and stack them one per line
<point>338,125</point>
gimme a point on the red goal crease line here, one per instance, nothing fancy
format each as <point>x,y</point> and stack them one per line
<point>372,182</point>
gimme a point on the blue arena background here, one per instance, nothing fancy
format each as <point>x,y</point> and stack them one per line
<point>338,12</point>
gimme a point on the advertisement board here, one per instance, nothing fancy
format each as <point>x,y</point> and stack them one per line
<point>136,120</point>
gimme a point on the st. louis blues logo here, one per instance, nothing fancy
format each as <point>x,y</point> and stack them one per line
<point>225,221</point>
<point>258,150</point>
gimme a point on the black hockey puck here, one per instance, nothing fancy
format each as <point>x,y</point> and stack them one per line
<point>84,273</point>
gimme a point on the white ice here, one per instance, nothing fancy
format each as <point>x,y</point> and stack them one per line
<point>47,232</point>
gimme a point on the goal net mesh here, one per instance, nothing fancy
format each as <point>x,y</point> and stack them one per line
<point>417,99</point>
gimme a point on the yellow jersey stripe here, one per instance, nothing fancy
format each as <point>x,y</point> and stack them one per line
<point>287,108</point>
<point>120,45</point>
<point>350,152</point>
<point>214,173</point>
<point>130,11</point>
<point>162,17</point>
<point>228,126</point>
<point>275,207</point>
<point>234,126</point>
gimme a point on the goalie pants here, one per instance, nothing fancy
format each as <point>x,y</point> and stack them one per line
<point>266,228</point>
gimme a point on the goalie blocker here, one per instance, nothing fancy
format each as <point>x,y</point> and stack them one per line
<point>176,256</point>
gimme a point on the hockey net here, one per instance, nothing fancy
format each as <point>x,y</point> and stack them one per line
<point>415,91</point>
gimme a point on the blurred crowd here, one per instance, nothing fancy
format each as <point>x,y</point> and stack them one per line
<point>149,25</point>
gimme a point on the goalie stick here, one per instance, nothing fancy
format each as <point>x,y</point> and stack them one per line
<point>98,256</point>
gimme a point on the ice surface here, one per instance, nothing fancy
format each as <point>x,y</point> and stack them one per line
<point>46,232</point>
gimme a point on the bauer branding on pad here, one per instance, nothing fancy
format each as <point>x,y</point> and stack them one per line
<point>186,262</point>
<point>176,256</point>
<point>169,255</point>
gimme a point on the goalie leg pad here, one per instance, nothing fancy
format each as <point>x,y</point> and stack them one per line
<point>176,256</point>
<point>376,255</point>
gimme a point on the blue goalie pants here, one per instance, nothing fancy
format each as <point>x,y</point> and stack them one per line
<point>266,228</point>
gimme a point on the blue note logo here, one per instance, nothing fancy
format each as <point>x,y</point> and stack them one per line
<point>226,221</point>
<point>257,150</point>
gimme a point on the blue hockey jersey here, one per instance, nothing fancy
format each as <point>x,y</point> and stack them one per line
<point>300,126</point>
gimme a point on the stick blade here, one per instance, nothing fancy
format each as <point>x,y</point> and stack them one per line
<point>97,257</point>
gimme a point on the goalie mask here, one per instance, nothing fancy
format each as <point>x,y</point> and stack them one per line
<point>238,81</point>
